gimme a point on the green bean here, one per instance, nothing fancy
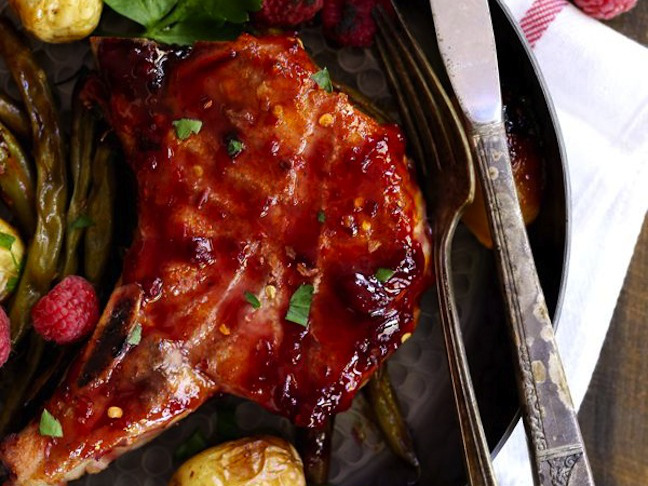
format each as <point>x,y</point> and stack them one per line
<point>384,403</point>
<point>14,117</point>
<point>315,449</point>
<point>23,372</point>
<point>17,181</point>
<point>51,193</point>
<point>81,145</point>
<point>100,211</point>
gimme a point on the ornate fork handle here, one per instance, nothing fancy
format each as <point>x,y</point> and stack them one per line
<point>556,447</point>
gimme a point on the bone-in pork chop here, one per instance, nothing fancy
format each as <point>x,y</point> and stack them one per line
<point>280,254</point>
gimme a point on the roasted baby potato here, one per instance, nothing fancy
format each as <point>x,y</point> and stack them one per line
<point>59,20</point>
<point>12,251</point>
<point>253,461</point>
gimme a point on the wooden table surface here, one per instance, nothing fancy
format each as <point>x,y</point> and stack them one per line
<point>614,414</point>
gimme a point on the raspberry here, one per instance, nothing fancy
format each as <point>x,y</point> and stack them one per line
<point>286,13</point>
<point>5,338</point>
<point>68,312</point>
<point>350,22</point>
<point>605,9</point>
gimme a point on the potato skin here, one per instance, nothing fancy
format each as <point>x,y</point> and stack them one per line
<point>253,461</point>
<point>59,20</point>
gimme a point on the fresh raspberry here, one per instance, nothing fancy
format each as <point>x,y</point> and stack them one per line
<point>68,312</point>
<point>350,22</point>
<point>5,338</point>
<point>605,9</point>
<point>286,13</point>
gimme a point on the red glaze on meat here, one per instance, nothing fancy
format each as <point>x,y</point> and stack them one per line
<point>321,194</point>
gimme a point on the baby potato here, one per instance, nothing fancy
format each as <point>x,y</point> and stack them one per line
<point>12,251</point>
<point>59,20</point>
<point>253,461</point>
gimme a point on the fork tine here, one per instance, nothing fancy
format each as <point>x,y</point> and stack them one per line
<point>408,117</point>
<point>442,117</point>
<point>421,100</point>
<point>412,113</point>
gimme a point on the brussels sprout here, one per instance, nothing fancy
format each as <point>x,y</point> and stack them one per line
<point>12,251</point>
<point>253,461</point>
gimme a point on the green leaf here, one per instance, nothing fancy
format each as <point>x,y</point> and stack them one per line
<point>323,80</point>
<point>6,240</point>
<point>192,446</point>
<point>135,336</point>
<point>185,127</point>
<point>144,12</point>
<point>234,147</point>
<point>321,216</point>
<point>83,221</point>
<point>252,300</point>
<point>300,304</point>
<point>49,426</point>
<point>11,284</point>
<point>384,274</point>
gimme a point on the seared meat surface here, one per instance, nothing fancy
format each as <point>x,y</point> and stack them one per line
<point>276,185</point>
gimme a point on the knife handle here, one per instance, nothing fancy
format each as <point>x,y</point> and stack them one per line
<point>558,455</point>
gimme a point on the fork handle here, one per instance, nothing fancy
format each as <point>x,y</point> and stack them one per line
<point>479,468</point>
<point>558,456</point>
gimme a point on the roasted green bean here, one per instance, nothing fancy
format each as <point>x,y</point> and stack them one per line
<point>24,371</point>
<point>14,117</point>
<point>51,193</point>
<point>384,404</point>
<point>100,213</point>
<point>315,449</point>
<point>80,160</point>
<point>17,181</point>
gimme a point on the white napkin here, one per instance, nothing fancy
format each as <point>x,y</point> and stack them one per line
<point>597,80</point>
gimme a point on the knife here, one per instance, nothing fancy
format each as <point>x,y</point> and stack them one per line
<point>466,41</point>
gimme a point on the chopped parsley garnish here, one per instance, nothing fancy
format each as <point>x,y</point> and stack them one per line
<point>49,426</point>
<point>300,304</point>
<point>83,221</point>
<point>6,240</point>
<point>11,284</point>
<point>252,300</point>
<point>384,274</point>
<point>186,21</point>
<point>323,80</point>
<point>185,127</point>
<point>321,216</point>
<point>135,335</point>
<point>192,446</point>
<point>234,147</point>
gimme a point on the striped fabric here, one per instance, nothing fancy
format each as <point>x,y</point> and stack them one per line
<point>535,21</point>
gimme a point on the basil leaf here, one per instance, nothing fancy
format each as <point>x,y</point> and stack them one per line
<point>135,336</point>
<point>323,80</point>
<point>185,127</point>
<point>144,12</point>
<point>6,240</point>
<point>384,274</point>
<point>192,446</point>
<point>252,300</point>
<point>321,216</point>
<point>49,426</point>
<point>83,221</point>
<point>300,304</point>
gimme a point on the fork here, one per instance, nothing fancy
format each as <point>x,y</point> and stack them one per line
<point>444,161</point>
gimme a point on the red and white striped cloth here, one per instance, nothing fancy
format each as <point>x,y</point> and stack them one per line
<point>597,80</point>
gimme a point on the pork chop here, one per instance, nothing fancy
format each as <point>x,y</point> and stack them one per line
<point>280,254</point>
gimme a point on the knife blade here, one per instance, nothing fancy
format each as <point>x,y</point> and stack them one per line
<point>466,41</point>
